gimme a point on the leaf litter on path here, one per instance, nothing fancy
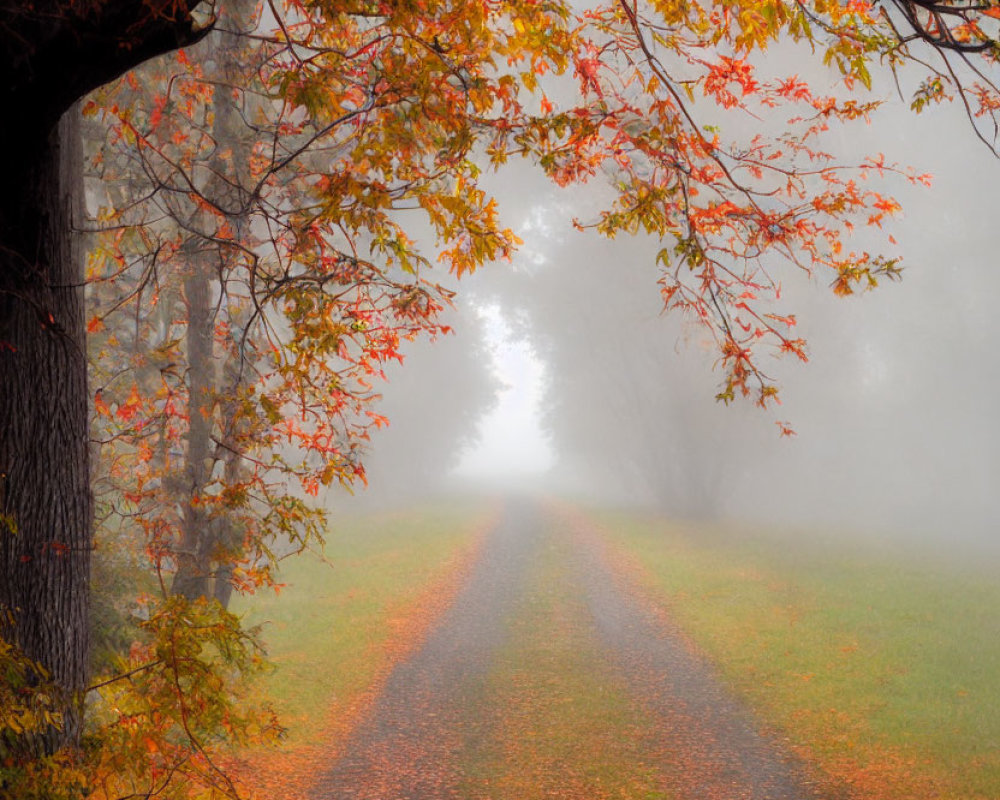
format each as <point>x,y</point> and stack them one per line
<point>706,743</point>
<point>547,678</point>
<point>289,774</point>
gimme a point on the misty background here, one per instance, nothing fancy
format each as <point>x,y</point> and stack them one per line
<point>563,374</point>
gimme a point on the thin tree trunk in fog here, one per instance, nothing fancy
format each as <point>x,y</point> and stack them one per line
<point>193,569</point>
<point>227,535</point>
<point>205,559</point>
<point>223,587</point>
<point>45,500</point>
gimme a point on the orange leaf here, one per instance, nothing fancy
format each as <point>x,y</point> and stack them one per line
<point>100,406</point>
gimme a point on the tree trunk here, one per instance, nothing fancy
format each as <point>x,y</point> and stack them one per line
<point>52,54</point>
<point>193,556</point>
<point>205,559</point>
<point>45,530</point>
<point>223,589</point>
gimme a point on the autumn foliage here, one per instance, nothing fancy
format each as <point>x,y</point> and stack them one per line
<point>267,207</point>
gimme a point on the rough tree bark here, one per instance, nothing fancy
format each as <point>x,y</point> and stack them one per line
<point>193,555</point>
<point>44,475</point>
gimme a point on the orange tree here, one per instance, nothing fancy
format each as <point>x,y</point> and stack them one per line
<point>266,188</point>
<point>262,282</point>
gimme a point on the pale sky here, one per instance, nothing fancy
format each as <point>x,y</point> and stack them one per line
<point>511,441</point>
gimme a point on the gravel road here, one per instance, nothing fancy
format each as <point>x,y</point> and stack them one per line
<point>707,746</point>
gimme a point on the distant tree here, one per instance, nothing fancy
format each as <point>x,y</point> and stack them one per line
<point>433,401</point>
<point>625,408</point>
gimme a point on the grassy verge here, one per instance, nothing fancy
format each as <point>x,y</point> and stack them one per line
<point>556,723</point>
<point>881,664</point>
<point>339,624</point>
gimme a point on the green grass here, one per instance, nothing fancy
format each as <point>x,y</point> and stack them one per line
<point>556,721</point>
<point>328,630</point>
<point>883,663</point>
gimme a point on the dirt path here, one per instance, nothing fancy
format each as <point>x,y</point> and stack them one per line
<point>404,750</point>
<point>702,743</point>
<point>707,743</point>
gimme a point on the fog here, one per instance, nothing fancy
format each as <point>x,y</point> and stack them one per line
<point>564,375</point>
